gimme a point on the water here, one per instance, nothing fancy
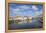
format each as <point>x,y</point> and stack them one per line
<point>24,24</point>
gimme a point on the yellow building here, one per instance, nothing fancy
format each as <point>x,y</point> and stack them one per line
<point>18,18</point>
<point>21,18</point>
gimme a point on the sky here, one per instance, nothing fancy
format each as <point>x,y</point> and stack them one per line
<point>25,9</point>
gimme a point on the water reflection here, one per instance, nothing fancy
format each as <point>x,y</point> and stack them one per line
<point>23,24</point>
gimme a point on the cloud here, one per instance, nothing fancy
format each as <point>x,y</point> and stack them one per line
<point>20,9</point>
<point>24,7</point>
<point>25,10</point>
<point>41,11</point>
<point>34,7</point>
<point>38,13</point>
<point>16,10</point>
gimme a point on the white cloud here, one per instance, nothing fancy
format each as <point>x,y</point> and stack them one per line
<point>24,7</point>
<point>41,11</point>
<point>38,12</point>
<point>17,9</point>
<point>20,8</point>
<point>34,7</point>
